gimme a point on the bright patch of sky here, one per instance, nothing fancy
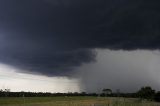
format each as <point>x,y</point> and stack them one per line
<point>11,79</point>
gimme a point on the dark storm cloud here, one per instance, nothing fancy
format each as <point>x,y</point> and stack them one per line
<point>54,36</point>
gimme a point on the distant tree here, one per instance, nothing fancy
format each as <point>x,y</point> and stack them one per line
<point>107,91</point>
<point>118,92</point>
<point>157,96</point>
<point>1,90</point>
<point>6,91</point>
<point>146,93</point>
<point>83,93</point>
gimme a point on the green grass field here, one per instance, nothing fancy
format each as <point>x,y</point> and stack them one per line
<point>73,101</point>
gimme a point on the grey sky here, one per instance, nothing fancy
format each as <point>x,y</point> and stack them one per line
<point>124,70</point>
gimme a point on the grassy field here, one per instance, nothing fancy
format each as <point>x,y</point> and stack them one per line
<point>73,101</point>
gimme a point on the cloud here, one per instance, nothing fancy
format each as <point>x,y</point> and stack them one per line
<point>54,37</point>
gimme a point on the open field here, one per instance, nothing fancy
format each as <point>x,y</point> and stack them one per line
<point>73,101</point>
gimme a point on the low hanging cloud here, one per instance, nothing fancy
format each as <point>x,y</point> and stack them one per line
<point>52,37</point>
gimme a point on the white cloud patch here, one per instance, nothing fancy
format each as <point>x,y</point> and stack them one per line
<point>10,79</point>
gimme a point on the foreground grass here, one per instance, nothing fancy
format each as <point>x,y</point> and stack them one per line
<point>73,101</point>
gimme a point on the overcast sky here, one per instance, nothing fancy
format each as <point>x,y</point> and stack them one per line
<point>86,44</point>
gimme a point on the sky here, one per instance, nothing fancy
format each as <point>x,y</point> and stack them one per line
<point>82,45</point>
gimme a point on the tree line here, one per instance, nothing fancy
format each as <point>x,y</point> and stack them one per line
<point>144,93</point>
